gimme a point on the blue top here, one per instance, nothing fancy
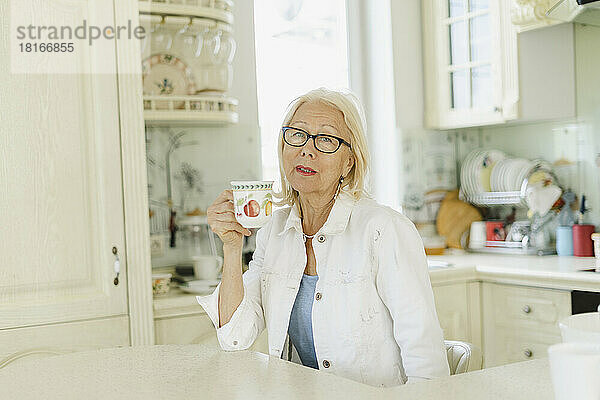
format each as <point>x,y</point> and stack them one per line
<point>300,327</point>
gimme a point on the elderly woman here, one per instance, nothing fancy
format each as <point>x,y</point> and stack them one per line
<point>343,277</point>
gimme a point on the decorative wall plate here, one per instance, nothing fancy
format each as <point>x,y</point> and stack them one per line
<point>167,75</point>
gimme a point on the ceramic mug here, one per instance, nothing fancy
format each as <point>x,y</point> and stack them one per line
<point>575,368</point>
<point>207,267</point>
<point>252,202</point>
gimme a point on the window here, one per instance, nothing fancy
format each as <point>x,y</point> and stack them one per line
<point>300,45</point>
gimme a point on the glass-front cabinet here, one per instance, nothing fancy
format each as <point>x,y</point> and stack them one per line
<point>469,63</point>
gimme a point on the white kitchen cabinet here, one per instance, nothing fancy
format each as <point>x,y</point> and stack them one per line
<point>63,193</point>
<point>47,340</point>
<point>478,71</point>
<point>458,309</point>
<point>520,323</point>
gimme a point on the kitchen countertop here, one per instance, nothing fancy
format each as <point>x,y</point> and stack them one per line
<point>540,271</point>
<point>199,371</point>
<point>556,272</point>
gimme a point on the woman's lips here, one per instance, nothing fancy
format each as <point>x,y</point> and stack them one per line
<point>305,171</point>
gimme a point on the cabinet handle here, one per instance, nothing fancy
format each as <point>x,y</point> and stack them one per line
<point>498,109</point>
<point>526,309</point>
<point>527,353</point>
<point>116,266</point>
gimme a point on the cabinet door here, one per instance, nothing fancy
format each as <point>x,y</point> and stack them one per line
<point>61,209</point>
<point>463,62</point>
<point>452,310</point>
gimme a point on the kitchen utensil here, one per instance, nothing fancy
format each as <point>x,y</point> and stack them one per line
<point>575,368</point>
<point>253,204</point>
<point>582,210</point>
<point>582,240</point>
<point>454,218</point>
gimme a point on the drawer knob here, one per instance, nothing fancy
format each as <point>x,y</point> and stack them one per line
<point>526,309</point>
<point>528,353</point>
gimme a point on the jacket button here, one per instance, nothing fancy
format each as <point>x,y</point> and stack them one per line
<point>326,363</point>
<point>321,238</point>
<point>318,296</point>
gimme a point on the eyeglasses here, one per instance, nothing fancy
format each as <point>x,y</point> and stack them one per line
<point>297,137</point>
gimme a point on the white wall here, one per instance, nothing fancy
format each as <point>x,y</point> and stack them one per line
<point>372,77</point>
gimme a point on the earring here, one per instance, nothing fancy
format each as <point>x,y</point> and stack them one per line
<point>341,179</point>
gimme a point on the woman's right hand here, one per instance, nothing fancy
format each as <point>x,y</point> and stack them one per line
<point>221,219</point>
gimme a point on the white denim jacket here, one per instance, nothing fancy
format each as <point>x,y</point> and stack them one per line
<point>373,316</point>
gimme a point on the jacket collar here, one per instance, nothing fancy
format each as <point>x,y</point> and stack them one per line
<point>336,221</point>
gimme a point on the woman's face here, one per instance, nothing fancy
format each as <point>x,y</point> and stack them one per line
<point>325,169</point>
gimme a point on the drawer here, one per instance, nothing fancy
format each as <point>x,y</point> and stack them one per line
<point>517,306</point>
<point>514,346</point>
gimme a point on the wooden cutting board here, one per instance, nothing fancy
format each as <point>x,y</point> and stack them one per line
<point>454,218</point>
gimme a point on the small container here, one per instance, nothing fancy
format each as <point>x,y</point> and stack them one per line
<point>434,245</point>
<point>596,239</point>
<point>477,235</point>
<point>582,240</point>
<point>160,284</point>
<point>564,240</point>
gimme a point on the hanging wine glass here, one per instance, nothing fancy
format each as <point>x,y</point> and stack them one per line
<point>224,57</point>
<point>161,39</point>
<point>208,44</point>
<point>185,43</point>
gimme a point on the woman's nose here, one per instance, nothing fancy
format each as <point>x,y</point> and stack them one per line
<point>308,150</point>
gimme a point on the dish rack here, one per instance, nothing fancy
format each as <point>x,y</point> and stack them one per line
<point>515,198</point>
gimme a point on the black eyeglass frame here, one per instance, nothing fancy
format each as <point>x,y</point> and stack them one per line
<point>314,137</point>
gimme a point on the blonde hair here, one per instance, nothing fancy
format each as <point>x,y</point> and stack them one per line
<point>354,117</point>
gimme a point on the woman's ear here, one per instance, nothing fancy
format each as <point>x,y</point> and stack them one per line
<point>349,165</point>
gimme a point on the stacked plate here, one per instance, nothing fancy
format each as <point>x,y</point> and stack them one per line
<point>200,286</point>
<point>508,175</point>
<point>492,171</point>
<point>477,169</point>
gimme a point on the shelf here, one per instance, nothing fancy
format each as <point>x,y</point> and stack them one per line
<point>221,11</point>
<point>190,110</point>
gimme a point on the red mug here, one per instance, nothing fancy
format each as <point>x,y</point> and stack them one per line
<point>495,230</point>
